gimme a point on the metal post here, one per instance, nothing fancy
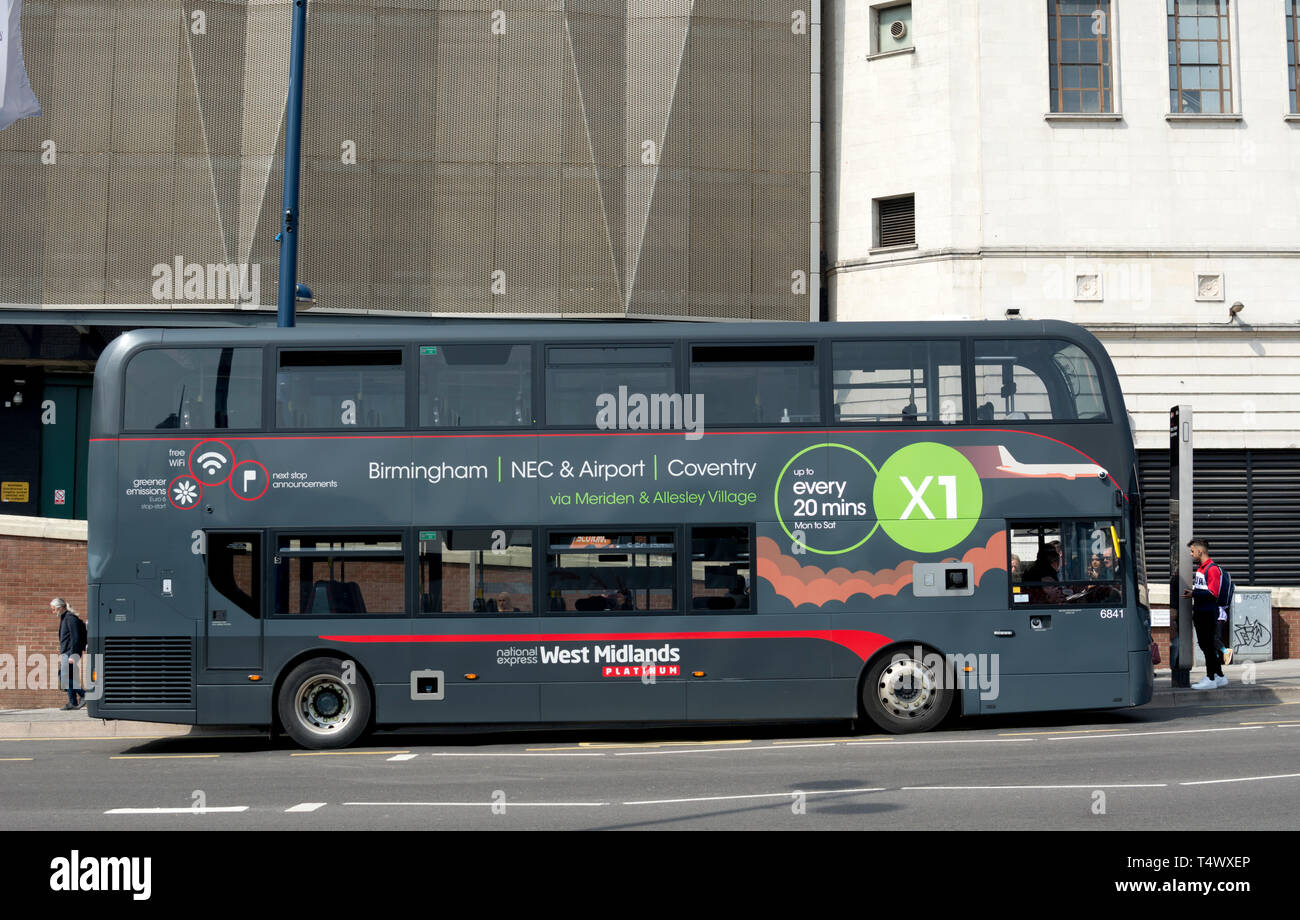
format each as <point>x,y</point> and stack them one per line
<point>292,156</point>
<point>1180,533</point>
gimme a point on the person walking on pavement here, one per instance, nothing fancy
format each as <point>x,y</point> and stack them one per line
<point>1205,613</point>
<point>72,643</point>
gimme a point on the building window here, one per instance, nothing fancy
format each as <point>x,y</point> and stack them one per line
<point>1200,69</point>
<point>895,221</point>
<point>1293,51</point>
<point>891,28</point>
<point>1079,47</point>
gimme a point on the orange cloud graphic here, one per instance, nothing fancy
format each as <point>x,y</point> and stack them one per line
<point>808,584</point>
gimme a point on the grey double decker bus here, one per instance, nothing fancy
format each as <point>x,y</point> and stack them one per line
<point>335,529</point>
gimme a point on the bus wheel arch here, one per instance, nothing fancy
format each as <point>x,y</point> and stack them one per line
<point>323,699</point>
<point>902,692</point>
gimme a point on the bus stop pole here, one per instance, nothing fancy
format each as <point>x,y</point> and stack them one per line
<point>1181,513</point>
<point>292,155</point>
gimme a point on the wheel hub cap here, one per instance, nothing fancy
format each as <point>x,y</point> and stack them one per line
<point>907,688</point>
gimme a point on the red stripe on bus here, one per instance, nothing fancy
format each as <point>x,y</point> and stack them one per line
<point>858,641</point>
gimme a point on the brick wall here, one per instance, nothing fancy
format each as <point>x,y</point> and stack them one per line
<point>33,570</point>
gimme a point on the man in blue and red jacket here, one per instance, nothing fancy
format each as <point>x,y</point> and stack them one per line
<point>1205,612</point>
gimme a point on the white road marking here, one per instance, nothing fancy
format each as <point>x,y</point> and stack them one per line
<point>305,806</point>
<point>505,754</point>
<point>506,804</point>
<point>177,811</point>
<point>784,747</point>
<point>1080,786</point>
<point>945,741</point>
<point>1240,779</point>
<point>1186,731</point>
<point>404,756</point>
<point>760,795</point>
<point>344,753</point>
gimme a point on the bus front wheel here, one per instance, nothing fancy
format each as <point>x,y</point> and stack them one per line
<point>902,694</point>
<point>322,706</point>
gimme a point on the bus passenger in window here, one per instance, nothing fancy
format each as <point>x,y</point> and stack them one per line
<point>1043,579</point>
<point>619,600</point>
<point>984,413</point>
<point>504,605</point>
<point>739,593</point>
<point>1014,570</point>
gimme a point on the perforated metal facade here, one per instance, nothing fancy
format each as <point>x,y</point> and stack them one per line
<point>602,157</point>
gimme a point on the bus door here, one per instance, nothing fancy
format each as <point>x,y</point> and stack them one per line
<point>232,611</point>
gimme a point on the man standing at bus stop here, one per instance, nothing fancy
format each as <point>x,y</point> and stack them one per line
<point>1205,613</point>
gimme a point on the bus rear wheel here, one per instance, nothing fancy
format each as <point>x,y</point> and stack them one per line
<point>321,707</point>
<point>902,694</point>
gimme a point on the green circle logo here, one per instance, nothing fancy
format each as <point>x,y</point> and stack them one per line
<point>928,497</point>
<point>823,498</point>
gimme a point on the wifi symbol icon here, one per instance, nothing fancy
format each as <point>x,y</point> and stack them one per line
<point>211,461</point>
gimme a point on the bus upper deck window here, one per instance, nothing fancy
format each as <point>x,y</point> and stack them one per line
<point>1035,379</point>
<point>340,388</point>
<point>881,382</point>
<point>476,386</point>
<point>198,388</point>
<point>757,384</point>
<point>581,379</point>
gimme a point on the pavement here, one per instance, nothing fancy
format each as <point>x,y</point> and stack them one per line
<point>1271,682</point>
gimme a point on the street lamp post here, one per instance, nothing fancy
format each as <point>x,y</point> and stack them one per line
<point>292,155</point>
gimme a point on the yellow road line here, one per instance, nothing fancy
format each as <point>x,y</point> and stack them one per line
<point>160,756</point>
<point>15,758</point>
<point>345,753</point>
<point>1079,731</point>
<point>1275,722</point>
<point>818,740</point>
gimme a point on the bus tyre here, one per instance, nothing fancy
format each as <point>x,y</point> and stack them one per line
<point>901,694</point>
<point>320,709</point>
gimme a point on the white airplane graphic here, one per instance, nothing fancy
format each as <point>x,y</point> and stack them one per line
<point>1047,470</point>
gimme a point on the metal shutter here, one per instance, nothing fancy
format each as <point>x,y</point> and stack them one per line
<point>1247,506</point>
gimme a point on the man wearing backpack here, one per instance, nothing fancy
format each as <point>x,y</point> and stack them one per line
<point>72,643</point>
<point>1211,593</point>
